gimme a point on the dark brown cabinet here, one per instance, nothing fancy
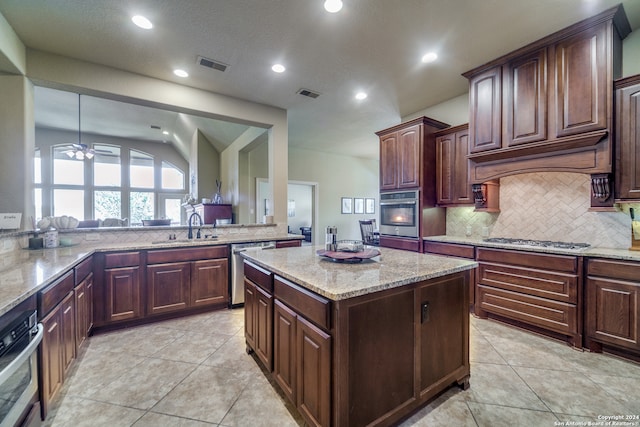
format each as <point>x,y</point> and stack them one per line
<point>181,279</point>
<point>258,312</point>
<point>460,251</point>
<point>540,291</point>
<point>68,308</point>
<point>123,294</point>
<point>452,167</point>
<point>407,156</point>
<point>547,106</point>
<point>612,317</point>
<point>628,138</point>
<point>284,343</point>
<point>83,301</point>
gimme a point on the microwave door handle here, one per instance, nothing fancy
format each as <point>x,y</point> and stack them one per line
<point>16,363</point>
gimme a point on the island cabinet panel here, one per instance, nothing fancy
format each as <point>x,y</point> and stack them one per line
<point>613,305</point>
<point>258,313</point>
<point>456,250</point>
<point>628,138</point>
<point>284,346</point>
<point>168,287</point>
<point>541,291</point>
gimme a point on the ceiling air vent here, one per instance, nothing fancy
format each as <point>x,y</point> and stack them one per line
<point>210,63</point>
<point>309,93</point>
<point>155,127</point>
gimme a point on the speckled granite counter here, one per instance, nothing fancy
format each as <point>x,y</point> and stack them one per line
<point>337,281</point>
<point>593,252</point>
<point>25,272</point>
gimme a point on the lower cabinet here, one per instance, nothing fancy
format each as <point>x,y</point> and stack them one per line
<point>258,312</point>
<point>122,288</point>
<point>168,287</point>
<point>68,307</point>
<point>612,317</point>
<point>536,290</point>
<point>455,250</point>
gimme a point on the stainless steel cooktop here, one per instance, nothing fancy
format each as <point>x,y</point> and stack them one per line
<point>539,243</point>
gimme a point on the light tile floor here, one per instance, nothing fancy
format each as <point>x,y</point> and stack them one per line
<point>194,372</point>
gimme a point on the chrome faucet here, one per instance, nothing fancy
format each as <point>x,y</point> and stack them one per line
<point>200,224</point>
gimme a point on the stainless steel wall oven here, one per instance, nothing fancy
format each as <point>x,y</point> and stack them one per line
<point>399,213</point>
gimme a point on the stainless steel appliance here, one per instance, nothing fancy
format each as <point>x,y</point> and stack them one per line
<point>399,213</point>
<point>237,270</point>
<point>19,342</point>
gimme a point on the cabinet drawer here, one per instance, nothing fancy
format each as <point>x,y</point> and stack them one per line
<point>545,284</point>
<point>452,249</point>
<point>564,263</point>
<point>186,254</point>
<point>553,315</point>
<point>83,270</point>
<point>313,307</point>
<point>53,294</point>
<point>614,269</point>
<point>288,244</point>
<point>123,259</point>
<point>259,276</point>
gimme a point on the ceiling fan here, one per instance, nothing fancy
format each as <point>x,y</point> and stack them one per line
<point>81,151</point>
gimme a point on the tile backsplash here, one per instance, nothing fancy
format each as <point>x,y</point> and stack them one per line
<point>546,206</point>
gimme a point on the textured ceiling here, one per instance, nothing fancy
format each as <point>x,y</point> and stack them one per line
<point>371,45</point>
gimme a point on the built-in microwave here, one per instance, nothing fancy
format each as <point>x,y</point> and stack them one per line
<point>399,213</point>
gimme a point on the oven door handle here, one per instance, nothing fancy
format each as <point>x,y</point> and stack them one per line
<point>411,202</point>
<point>16,363</point>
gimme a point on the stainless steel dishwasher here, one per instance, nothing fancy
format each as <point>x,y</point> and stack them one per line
<point>237,272</point>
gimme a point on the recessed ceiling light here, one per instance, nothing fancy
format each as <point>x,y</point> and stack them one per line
<point>278,68</point>
<point>333,6</point>
<point>142,22</point>
<point>360,96</point>
<point>164,132</point>
<point>180,73</point>
<point>429,57</point>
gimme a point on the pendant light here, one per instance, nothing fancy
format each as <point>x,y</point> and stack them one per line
<point>80,151</point>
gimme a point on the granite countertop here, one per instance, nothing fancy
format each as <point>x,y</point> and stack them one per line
<point>337,281</point>
<point>594,252</point>
<point>25,272</point>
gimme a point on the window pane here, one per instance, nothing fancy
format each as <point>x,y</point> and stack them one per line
<point>106,166</point>
<point>141,205</point>
<point>66,170</point>
<point>38,200</point>
<point>37,167</point>
<point>173,209</point>
<point>68,202</point>
<point>108,204</point>
<point>141,170</point>
<point>172,177</point>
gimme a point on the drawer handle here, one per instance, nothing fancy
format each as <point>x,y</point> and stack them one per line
<point>424,312</point>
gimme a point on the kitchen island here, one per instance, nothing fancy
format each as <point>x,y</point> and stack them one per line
<point>353,344</point>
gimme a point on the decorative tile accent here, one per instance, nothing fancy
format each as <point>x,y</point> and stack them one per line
<point>546,206</point>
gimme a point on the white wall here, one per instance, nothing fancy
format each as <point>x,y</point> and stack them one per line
<point>337,176</point>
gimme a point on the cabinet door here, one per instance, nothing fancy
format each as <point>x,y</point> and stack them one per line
<point>90,308</point>
<point>408,151</point>
<point>168,287</point>
<point>388,162</point>
<point>209,282</point>
<point>445,152</point>
<point>51,357</point>
<point>81,314</point>
<point>485,101</point>
<point>122,292</point>
<point>284,349</point>
<point>581,82</point>
<point>461,188</point>
<point>444,319</point>
<point>68,331</point>
<point>525,101</point>
<point>264,327</point>
<point>628,141</point>
<point>313,373</point>
<point>613,315</point>
<point>250,313</point>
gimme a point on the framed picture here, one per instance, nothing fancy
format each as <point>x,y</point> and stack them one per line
<point>347,205</point>
<point>358,206</point>
<point>370,206</point>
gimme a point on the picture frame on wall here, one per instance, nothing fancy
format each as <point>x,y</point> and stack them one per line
<point>358,205</point>
<point>347,205</point>
<point>369,206</point>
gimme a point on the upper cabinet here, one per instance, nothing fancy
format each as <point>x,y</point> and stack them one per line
<point>452,167</point>
<point>628,138</point>
<point>407,156</point>
<point>547,106</point>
